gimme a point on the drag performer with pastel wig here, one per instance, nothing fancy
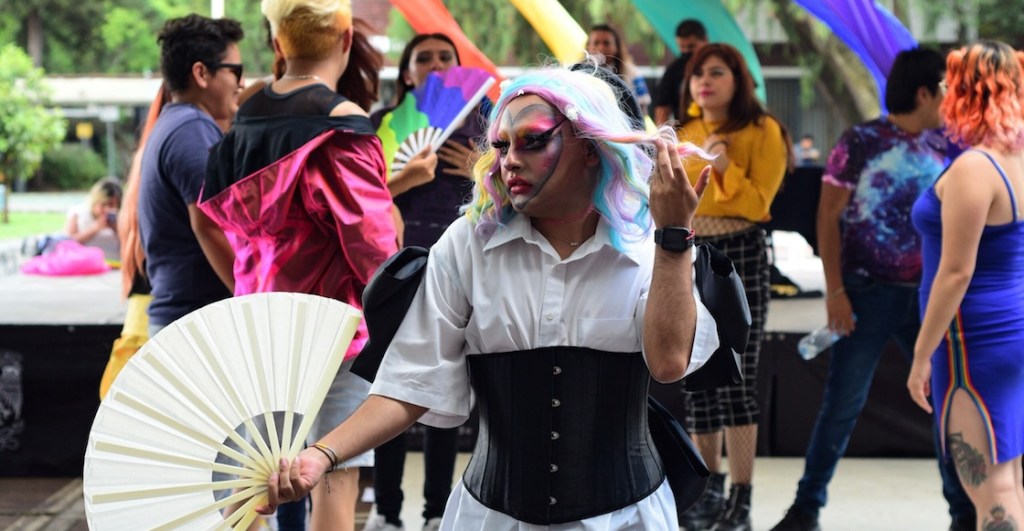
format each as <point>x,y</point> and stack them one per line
<point>550,300</point>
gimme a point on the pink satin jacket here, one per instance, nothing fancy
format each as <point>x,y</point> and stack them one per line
<point>318,220</point>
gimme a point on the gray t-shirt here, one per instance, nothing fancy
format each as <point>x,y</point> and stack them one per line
<point>173,168</point>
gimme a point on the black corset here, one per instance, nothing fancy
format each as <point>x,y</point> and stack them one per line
<point>563,434</point>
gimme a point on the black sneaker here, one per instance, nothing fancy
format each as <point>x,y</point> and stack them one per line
<point>797,519</point>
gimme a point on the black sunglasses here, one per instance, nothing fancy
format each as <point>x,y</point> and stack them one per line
<point>235,68</point>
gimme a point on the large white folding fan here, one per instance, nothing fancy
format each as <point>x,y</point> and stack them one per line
<point>198,419</point>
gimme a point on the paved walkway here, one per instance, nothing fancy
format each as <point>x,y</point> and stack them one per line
<point>866,494</point>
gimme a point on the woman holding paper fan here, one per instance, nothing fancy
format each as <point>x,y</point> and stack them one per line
<point>428,192</point>
<point>722,114</point>
<point>551,301</point>
<point>298,186</point>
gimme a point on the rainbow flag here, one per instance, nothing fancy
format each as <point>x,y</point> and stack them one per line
<point>430,113</point>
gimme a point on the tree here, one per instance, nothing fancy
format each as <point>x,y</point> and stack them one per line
<point>833,69</point>
<point>114,36</point>
<point>518,43</point>
<point>27,128</point>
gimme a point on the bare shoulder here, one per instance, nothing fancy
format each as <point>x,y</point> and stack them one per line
<point>971,176</point>
<point>348,108</point>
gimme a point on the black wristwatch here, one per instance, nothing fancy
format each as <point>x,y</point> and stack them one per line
<point>675,239</point>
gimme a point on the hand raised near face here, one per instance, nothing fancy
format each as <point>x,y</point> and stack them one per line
<point>673,200</point>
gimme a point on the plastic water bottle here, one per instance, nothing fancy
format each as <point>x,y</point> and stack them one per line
<point>816,342</point>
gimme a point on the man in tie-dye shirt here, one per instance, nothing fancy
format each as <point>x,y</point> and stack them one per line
<point>872,260</point>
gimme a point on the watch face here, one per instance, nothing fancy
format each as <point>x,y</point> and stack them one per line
<point>676,239</point>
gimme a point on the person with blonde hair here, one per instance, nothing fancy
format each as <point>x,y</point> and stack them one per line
<point>298,185</point>
<point>967,357</point>
<point>94,222</point>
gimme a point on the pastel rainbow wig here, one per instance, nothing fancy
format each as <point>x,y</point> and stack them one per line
<point>590,104</point>
<point>307,29</point>
<point>985,96</point>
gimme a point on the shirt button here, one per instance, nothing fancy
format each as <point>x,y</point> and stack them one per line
<point>556,370</point>
<point>554,467</point>
<point>552,500</point>
<point>555,436</point>
<point>550,316</point>
<point>555,402</point>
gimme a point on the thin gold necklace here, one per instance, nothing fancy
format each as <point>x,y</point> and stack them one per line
<point>570,243</point>
<point>302,77</point>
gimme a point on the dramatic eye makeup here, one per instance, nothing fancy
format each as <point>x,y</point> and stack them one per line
<point>528,141</point>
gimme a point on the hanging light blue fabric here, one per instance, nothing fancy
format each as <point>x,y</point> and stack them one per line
<point>872,32</point>
<point>665,15</point>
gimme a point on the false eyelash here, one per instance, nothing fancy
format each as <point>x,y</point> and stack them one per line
<point>501,145</point>
<point>538,138</point>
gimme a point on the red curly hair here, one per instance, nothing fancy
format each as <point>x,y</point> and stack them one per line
<point>984,103</point>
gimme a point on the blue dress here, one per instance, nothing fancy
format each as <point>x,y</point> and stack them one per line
<point>982,352</point>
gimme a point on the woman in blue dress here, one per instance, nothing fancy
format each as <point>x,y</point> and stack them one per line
<point>969,354</point>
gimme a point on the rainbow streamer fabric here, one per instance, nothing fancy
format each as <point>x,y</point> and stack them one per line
<point>429,114</point>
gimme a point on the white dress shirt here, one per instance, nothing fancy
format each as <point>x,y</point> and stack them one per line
<point>513,292</point>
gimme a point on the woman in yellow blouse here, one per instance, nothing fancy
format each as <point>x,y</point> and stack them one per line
<point>722,114</point>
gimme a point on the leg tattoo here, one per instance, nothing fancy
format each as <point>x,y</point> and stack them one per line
<point>969,461</point>
<point>999,521</point>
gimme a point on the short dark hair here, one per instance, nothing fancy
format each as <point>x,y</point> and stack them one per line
<point>692,28</point>
<point>190,39</point>
<point>912,69</point>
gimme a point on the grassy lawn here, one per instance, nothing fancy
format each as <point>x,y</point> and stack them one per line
<point>23,224</point>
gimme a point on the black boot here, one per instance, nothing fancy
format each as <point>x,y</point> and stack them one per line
<point>736,516</point>
<point>703,514</point>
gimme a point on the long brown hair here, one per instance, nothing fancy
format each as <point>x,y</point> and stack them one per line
<point>360,82</point>
<point>401,87</point>
<point>133,258</point>
<point>744,108</point>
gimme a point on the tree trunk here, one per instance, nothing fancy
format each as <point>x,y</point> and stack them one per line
<point>34,29</point>
<point>844,82</point>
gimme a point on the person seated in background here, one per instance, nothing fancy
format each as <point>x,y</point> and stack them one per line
<point>804,152</point>
<point>94,222</point>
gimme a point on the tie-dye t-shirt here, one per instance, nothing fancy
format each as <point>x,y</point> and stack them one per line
<point>886,168</point>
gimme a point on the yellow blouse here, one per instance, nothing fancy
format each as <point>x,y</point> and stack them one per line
<point>757,163</point>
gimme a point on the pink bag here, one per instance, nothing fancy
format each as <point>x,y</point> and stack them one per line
<point>68,258</point>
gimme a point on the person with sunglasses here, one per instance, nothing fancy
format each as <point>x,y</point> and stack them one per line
<point>306,160</point>
<point>202,69</point>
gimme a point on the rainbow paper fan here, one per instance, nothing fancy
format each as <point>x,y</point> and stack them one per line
<point>429,114</point>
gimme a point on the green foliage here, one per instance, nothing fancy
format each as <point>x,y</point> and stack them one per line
<point>257,54</point>
<point>130,42</point>
<point>518,44</point>
<point>23,224</point>
<point>118,36</point>
<point>71,167</point>
<point>27,128</point>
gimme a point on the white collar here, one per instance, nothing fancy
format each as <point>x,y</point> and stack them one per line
<point>520,228</point>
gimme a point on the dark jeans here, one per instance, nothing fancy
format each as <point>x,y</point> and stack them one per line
<point>439,448</point>
<point>883,311</point>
